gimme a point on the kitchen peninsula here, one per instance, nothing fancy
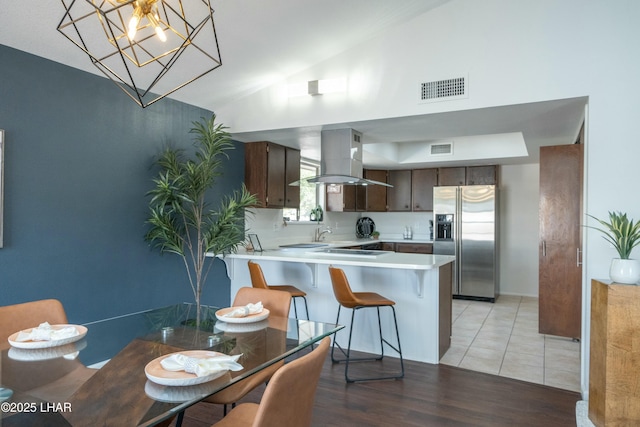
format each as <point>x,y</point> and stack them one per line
<point>419,284</point>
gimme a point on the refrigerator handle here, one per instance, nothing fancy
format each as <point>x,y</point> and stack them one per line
<point>544,248</point>
<point>457,233</point>
<point>456,229</point>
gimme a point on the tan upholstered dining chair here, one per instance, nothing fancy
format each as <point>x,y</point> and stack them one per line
<point>278,304</point>
<point>288,399</point>
<point>62,377</point>
<point>14,318</point>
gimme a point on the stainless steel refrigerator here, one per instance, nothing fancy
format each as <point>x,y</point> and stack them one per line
<point>466,225</point>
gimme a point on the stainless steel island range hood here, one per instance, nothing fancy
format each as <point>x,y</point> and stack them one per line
<point>341,159</point>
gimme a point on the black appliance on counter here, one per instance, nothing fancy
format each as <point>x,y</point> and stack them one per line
<point>365,227</point>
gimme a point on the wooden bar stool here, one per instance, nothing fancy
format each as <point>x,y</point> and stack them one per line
<point>258,281</point>
<point>355,301</point>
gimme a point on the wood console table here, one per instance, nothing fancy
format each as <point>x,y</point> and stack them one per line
<point>614,391</point>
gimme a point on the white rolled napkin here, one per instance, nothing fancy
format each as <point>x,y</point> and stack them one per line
<point>44,332</point>
<point>201,366</point>
<point>246,310</point>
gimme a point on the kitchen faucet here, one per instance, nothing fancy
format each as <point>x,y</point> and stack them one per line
<point>319,234</point>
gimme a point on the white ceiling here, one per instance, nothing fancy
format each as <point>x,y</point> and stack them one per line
<point>262,42</point>
<point>479,131</point>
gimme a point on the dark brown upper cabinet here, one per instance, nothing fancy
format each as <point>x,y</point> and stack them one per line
<point>412,189</point>
<point>470,175</point>
<point>422,183</point>
<point>292,174</point>
<point>399,196</point>
<point>269,168</point>
<point>482,175</point>
<point>376,194</point>
<point>345,198</point>
<point>451,176</point>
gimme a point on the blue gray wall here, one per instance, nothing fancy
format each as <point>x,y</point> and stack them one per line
<point>78,162</point>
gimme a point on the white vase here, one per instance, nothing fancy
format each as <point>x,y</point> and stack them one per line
<point>626,271</point>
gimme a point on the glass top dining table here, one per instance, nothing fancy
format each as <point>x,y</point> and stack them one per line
<point>102,378</point>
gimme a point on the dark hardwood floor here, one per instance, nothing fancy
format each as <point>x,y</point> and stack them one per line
<point>429,395</point>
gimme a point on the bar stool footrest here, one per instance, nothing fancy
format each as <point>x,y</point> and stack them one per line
<point>383,341</point>
<point>352,359</point>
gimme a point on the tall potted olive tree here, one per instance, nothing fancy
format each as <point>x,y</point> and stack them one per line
<point>181,219</point>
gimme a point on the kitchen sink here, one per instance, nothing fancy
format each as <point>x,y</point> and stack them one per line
<point>295,246</point>
<point>357,253</point>
<point>342,242</point>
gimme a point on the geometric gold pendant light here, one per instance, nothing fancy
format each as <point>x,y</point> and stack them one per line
<point>148,48</point>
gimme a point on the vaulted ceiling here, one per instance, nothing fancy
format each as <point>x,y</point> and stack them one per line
<point>265,41</point>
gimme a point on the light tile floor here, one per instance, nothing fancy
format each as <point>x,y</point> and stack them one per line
<point>502,338</point>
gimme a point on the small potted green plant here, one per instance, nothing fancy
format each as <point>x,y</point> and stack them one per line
<point>375,235</point>
<point>624,234</point>
<point>316,214</point>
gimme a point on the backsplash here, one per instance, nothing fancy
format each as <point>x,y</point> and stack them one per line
<point>272,231</point>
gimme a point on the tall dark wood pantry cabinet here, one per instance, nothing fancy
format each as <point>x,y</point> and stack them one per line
<point>560,242</point>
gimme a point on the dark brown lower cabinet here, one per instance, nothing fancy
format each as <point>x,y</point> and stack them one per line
<point>388,246</point>
<point>411,248</point>
<point>415,248</point>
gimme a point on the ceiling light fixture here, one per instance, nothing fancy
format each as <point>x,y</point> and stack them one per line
<point>148,48</point>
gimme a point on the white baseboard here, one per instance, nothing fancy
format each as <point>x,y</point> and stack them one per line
<point>582,414</point>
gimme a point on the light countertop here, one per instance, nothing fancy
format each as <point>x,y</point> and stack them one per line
<point>381,259</point>
<point>344,242</point>
<point>401,240</point>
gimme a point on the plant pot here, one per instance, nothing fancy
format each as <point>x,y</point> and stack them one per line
<point>625,271</point>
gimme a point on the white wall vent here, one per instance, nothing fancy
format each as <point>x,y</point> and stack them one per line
<point>441,149</point>
<point>446,89</point>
